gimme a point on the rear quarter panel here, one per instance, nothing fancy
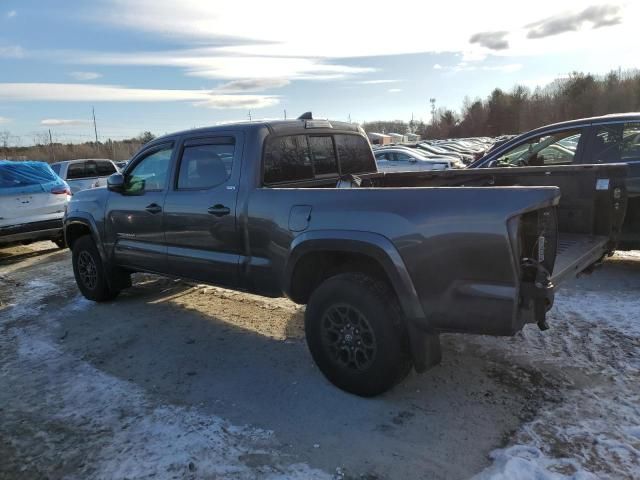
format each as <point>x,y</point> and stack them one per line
<point>454,242</point>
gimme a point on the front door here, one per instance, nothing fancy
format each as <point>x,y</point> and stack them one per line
<point>200,210</point>
<point>134,222</point>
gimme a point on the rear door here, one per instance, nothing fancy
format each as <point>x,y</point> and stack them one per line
<point>134,221</point>
<point>200,223</point>
<point>619,142</point>
<point>550,149</point>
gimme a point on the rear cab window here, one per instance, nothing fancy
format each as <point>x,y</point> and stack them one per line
<point>105,168</point>
<point>76,170</point>
<point>292,158</point>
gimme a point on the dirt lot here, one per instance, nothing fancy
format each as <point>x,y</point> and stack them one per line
<point>175,380</point>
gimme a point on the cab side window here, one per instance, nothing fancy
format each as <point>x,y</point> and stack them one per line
<point>206,166</point>
<point>558,148</point>
<point>150,173</point>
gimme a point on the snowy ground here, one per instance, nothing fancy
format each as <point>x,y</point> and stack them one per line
<point>177,381</point>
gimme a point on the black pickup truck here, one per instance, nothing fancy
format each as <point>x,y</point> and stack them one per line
<point>384,261</point>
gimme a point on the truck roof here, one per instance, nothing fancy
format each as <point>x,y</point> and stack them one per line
<point>280,127</point>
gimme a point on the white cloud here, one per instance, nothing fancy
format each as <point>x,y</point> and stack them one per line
<point>75,92</point>
<point>295,30</point>
<point>4,120</point>
<point>466,66</point>
<point>11,14</point>
<point>377,82</point>
<point>213,64</point>
<point>509,68</point>
<point>252,85</point>
<point>394,90</point>
<point>11,51</point>
<point>85,76</point>
<point>57,122</point>
<point>437,66</point>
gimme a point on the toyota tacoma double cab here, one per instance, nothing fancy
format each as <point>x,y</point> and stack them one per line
<point>384,262</point>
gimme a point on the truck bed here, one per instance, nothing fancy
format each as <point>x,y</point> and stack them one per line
<point>576,252</point>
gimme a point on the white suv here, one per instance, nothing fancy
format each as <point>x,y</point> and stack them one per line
<point>33,200</point>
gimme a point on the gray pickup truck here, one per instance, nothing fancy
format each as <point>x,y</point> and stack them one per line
<point>385,262</point>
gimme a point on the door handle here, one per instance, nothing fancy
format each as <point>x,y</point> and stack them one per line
<point>219,210</point>
<point>153,208</point>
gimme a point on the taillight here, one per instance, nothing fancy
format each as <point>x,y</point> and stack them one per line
<point>61,191</point>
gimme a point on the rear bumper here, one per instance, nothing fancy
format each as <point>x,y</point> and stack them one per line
<point>44,230</point>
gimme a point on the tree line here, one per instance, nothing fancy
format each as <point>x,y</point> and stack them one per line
<point>521,109</point>
<point>50,152</point>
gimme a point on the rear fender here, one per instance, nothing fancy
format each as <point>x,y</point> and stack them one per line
<point>373,245</point>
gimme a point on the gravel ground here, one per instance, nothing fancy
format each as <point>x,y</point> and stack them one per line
<point>176,380</point>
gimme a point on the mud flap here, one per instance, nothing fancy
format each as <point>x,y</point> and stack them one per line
<point>425,348</point>
<point>539,292</point>
<point>118,279</point>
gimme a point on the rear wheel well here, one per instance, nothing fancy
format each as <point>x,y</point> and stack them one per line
<point>74,231</point>
<point>315,267</point>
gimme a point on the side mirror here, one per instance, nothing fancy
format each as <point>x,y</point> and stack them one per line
<point>115,182</point>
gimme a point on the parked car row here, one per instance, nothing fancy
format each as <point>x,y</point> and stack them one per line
<point>431,154</point>
<point>405,159</point>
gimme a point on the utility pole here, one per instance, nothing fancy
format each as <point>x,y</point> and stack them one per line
<point>95,128</point>
<point>51,154</point>
<point>285,114</point>
<point>249,115</point>
<point>432,101</point>
<point>349,118</point>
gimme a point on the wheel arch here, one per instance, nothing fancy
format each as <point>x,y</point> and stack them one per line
<point>316,255</point>
<point>79,225</point>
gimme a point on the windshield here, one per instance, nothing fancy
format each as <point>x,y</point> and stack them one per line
<point>556,149</point>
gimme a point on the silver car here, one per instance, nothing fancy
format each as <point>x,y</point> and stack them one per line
<point>399,159</point>
<point>85,173</point>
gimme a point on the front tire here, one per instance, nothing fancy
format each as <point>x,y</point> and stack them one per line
<point>89,271</point>
<point>356,333</point>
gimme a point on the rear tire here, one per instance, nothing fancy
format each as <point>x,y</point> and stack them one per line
<point>356,333</point>
<point>89,271</point>
<point>60,242</point>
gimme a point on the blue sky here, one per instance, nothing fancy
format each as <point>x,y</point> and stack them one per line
<point>163,65</point>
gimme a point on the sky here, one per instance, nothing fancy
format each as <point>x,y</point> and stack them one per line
<point>162,65</point>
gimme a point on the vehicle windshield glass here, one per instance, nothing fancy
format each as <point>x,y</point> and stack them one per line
<point>555,149</point>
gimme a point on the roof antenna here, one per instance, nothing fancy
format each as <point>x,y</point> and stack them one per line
<point>306,116</point>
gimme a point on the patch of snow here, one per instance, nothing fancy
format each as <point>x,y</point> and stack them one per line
<point>143,439</point>
<point>524,462</point>
<point>594,432</point>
